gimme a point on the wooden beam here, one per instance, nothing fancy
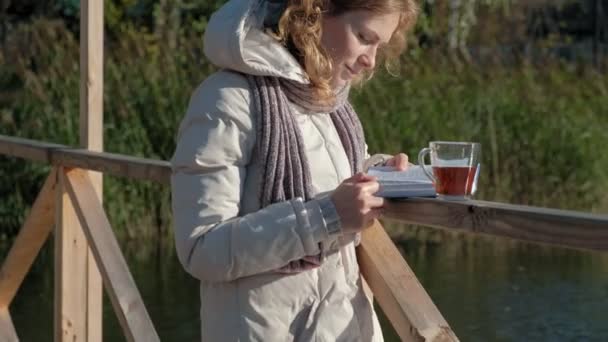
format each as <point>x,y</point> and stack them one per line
<point>91,75</point>
<point>119,283</point>
<point>32,236</point>
<point>110,163</point>
<point>399,293</point>
<point>71,251</point>
<point>540,225</point>
<point>91,137</point>
<point>7,330</point>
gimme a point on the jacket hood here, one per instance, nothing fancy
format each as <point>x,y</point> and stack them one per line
<point>234,39</point>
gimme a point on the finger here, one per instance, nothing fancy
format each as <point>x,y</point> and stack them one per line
<point>401,161</point>
<point>370,187</point>
<point>364,178</point>
<point>356,178</point>
<point>376,202</point>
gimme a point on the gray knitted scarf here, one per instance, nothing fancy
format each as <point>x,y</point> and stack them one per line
<point>284,167</point>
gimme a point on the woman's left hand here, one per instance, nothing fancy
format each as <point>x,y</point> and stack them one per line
<point>399,161</point>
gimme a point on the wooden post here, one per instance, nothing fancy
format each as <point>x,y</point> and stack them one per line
<point>91,137</point>
<point>78,286</point>
<point>401,296</point>
<point>71,290</point>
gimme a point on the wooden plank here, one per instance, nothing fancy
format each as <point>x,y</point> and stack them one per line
<point>28,149</point>
<point>32,236</point>
<point>91,75</point>
<point>399,293</point>
<point>7,329</point>
<point>540,225</point>
<point>71,252</point>
<point>110,163</point>
<point>91,136</point>
<point>119,283</point>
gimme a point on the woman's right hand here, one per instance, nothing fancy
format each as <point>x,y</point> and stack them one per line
<point>356,204</point>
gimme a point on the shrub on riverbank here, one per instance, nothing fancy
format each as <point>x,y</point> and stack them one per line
<point>542,127</point>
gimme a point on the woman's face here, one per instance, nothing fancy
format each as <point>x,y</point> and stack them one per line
<point>352,40</point>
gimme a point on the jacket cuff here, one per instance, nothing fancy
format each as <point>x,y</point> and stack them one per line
<point>319,219</point>
<point>330,216</point>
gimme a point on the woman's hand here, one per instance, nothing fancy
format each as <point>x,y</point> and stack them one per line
<point>356,204</point>
<point>399,161</point>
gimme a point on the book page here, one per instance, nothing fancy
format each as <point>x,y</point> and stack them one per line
<point>388,174</point>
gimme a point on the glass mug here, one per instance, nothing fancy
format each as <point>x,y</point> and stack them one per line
<point>455,168</point>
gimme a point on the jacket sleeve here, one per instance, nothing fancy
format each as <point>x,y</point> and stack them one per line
<point>214,147</point>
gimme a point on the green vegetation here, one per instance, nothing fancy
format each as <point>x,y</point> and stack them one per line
<point>542,126</point>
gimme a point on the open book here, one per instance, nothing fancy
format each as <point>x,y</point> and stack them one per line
<point>410,183</point>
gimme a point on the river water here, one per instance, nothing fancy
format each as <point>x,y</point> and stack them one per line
<point>488,289</point>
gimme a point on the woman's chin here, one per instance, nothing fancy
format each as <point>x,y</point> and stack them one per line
<point>340,82</point>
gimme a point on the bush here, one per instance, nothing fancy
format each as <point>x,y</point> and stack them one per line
<point>540,127</point>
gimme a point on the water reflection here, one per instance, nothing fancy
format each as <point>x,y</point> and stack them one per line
<point>488,289</point>
<point>492,289</point>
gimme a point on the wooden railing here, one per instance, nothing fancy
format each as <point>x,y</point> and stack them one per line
<point>75,186</point>
<point>394,285</point>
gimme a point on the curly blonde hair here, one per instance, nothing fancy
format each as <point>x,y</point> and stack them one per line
<point>299,29</point>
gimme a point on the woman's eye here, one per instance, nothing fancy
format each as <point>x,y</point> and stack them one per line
<point>363,38</point>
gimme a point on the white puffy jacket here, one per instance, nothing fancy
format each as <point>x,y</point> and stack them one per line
<point>222,236</point>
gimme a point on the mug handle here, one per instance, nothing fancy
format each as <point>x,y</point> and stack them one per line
<point>421,156</point>
<point>475,180</point>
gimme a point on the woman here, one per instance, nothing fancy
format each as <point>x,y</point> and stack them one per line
<point>267,210</point>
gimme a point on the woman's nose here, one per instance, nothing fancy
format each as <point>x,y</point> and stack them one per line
<point>368,59</point>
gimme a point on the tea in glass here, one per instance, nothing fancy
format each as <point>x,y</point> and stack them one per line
<point>455,167</point>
